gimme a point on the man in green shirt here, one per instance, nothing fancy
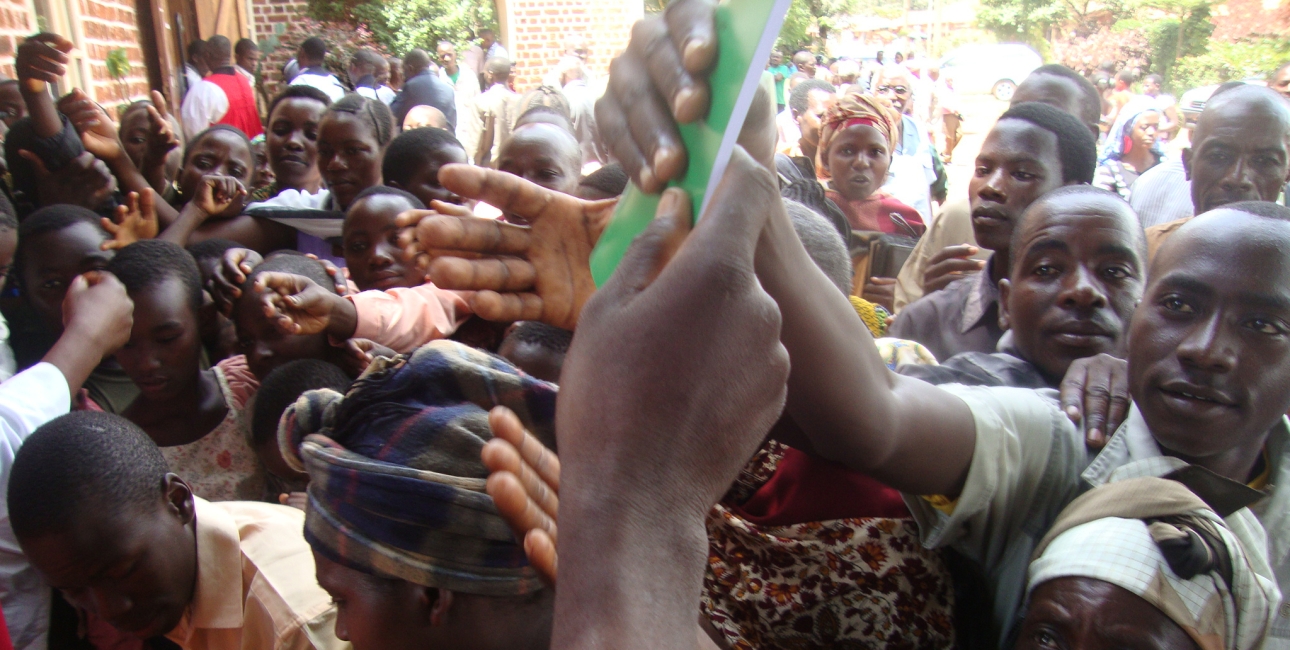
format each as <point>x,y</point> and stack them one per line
<point>782,71</point>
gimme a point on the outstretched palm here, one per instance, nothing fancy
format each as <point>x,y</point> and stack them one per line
<point>536,272</point>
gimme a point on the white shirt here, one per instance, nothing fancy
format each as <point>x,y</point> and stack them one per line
<point>912,171</point>
<point>385,94</point>
<point>496,49</point>
<point>1162,194</point>
<point>191,76</point>
<point>27,400</point>
<point>327,83</point>
<point>204,105</point>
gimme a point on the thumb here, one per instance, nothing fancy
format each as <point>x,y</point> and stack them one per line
<point>650,252</point>
<point>159,101</point>
<point>41,169</point>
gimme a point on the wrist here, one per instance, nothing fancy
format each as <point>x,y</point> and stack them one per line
<point>342,321</point>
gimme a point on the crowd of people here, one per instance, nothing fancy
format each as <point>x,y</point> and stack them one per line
<point>351,384</point>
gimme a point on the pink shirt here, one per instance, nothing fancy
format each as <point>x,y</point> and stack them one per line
<point>406,319</point>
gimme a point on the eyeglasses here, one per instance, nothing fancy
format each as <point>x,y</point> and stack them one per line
<point>899,90</point>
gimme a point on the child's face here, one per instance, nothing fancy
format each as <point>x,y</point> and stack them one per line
<point>12,104</point>
<point>52,260</point>
<point>220,152</point>
<point>293,141</point>
<point>263,175</point>
<point>136,570</point>
<point>271,455</point>
<point>264,345</point>
<point>163,355</point>
<point>542,154</point>
<point>533,359</point>
<point>372,252</point>
<point>134,135</point>
<point>349,156</point>
<point>424,183</point>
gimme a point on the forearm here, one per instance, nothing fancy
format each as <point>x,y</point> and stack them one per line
<point>188,221</point>
<point>343,319</point>
<point>43,113</point>
<point>841,395</point>
<point>627,579</point>
<point>155,175</point>
<point>129,179</point>
<point>76,356</point>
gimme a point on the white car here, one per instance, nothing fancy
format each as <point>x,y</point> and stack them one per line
<point>995,68</point>
<point>1193,101</point>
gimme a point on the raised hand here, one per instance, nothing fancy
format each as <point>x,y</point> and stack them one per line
<point>225,285</point>
<point>524,481</point>
<point>41,59</point>
<point>359,354</point>
<point>161,134</point>
<point>948,265</point>
<point>84,181</point>
<point>98,133</point>
<point>535,272</point>
<point>220,196</point>
<point>296,305</point>
<point>135,221</point>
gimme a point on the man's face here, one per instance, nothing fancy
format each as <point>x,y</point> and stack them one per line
<point>486,39</point>
<point>1017,164</point>
<point>897,88</point>
<point>447,55</point>
<point>805,63</point>
<point>817,102</point>
<point>1281,82</point>
<point>137,571</point>
<point>1209,347</point>
<point>1151,87</point>
<point>1059,92</point>
<point>249,59</point>
<point>1092,614</point>
<point>1240,151</point>
<point>1075,281</point>
<point>776,59</point>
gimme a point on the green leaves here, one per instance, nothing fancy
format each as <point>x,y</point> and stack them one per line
<point>401,25</point>
<point>118,64</point>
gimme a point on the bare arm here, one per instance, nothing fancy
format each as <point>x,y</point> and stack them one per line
<point>99,316</point>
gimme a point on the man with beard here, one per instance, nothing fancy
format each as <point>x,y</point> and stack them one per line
<point>1032,149</point>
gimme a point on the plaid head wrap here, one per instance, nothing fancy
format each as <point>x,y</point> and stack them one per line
<point>852,109</point>
<point>396,484</point>
<point>1156,539</point>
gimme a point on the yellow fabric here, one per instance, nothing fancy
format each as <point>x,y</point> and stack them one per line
<point>256,588</point>
<point>876,323</point>
<point>1261,481</point>
<point>941,502</point>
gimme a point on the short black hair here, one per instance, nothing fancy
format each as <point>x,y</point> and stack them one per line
<point>822,243</point>
<point>800,97</point>
<point>373,111</point>
<point>1259,209</point>
<point>610,179</point>
<point>314,48</point>
<point>283,386</point>
<point>381,190</point>
<point>413,149</point>
<point>79,461</point>
<point>212,248</point>
<point>1224,87</point>
<point>1091,102</point>
<point>290,262</point>
<point>196,48</point>
<point>1155,78</point>
<point>245,45</point>
<point>548,96</point>
<point>299,92</point>
<point>49,219</point>
<point>213,129</point>
<point>1138,244</point>
<point>219,47</point>
<point>1075,145</point>
<point>547,337</point>
<point>149,262</point>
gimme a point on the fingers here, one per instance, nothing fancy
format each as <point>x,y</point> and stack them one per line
<point>649,122</point>
<point>55,41</point>
<point>612,121</point>
<point>691,24</point>
<point>652,44</point>
<point>509,493</point>
<point>504,307</point>
<point>507,426</point>
<point>1072,391</point>
<point>146,204</point>
<point>41,170</point>
<point>539,546</point>
<point>159,101</point>
<point>505,274</point>
<point>506,192</point>
<point>436,232</point>
<point>958,250</point>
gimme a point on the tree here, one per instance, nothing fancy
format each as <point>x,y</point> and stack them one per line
<point>809,22</point>
<point>1028,21</point>
<point>401,25</point>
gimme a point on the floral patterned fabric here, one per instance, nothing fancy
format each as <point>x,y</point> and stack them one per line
<point>221,466</point>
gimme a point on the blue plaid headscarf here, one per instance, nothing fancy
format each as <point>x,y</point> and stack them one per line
<point>396,483</point>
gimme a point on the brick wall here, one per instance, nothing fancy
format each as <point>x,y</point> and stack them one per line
<point>537,31</point>
<point>108,25</point>
<point>16,23</point>
<point>267,14</point>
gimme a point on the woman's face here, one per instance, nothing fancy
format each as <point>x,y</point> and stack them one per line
<point>858,159</point>
<point>134,135</point>
<point>293,142</point>
<point>1145,128</point>
<point>349,156</point>
<point>219,152</point>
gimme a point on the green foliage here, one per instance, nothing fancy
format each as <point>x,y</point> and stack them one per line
<point>1027,21</point>
<point>809,22</point>
<point>118,64</point>
<point>401,25</point>
<point>1230,61</point>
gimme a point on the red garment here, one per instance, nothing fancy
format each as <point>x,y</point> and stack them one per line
<point>872,214</point>
<point>241,102</point>
<point>5,642</point>
<point>804,489</point>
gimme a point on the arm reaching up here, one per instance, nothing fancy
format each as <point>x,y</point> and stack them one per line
<point>97,317</point>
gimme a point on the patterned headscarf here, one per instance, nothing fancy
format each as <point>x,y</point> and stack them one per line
<point>1158,540</point>
<point>396,483</point>
<point>852,109</point>
<point>1119,140</point>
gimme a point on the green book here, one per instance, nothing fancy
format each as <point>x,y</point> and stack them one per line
<point>746,31</point>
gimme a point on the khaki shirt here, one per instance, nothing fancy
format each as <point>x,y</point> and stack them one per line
<point>256,588</point>
<point>1030,462</point>
<point>1156,235</point>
